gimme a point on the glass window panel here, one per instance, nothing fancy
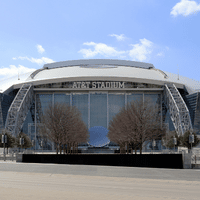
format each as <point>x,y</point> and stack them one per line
<point>155,98</point>
<point>98,109</point>
<point>134,97</point>
<point>81,102</point>
<point>115,103</point>
<point>62,98</point>
<point>43,101</point>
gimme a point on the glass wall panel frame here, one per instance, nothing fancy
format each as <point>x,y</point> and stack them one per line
<point>89,107</point>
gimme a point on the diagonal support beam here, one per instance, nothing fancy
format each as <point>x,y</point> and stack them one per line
<point>19,109</point>
<point>179,112</point>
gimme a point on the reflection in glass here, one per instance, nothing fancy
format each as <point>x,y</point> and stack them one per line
<point>115,103</point>
<point>98,109</point>
<point>81,102</point>
<point>98,136</point>
<point>134,97</point>
<point>62,98</point>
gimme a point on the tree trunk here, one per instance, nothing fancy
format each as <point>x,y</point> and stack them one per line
<point>60,148</point>
<point>56,148</point>
<point>135,150</point>
<point>64,149</point>
<point>73,147</point>
<point>140,150</point>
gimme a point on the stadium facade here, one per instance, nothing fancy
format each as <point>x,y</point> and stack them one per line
<point>99,88</point>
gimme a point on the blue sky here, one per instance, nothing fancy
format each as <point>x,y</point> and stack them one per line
<point>164,33</point>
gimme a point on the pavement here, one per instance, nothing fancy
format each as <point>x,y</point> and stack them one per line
<point>26,181</point>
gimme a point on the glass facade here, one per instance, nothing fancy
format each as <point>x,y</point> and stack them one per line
<point>134,97</point>
<point>115,103</point>
<point>97,109</point>
<point>62,98</point>
<point>81,102</point>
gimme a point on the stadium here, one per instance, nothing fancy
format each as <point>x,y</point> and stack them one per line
<point>99,88</point>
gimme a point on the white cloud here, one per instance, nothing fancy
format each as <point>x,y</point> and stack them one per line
<point>100,49</point>
<point>40,48</point>
<point>160,54</point>
<point>39,61</point>
<point>140,51</point>
<point>118,37</point>
<point>12,70</point>
<point>185,8</point>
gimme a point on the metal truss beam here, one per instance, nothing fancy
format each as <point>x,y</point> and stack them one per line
<point>179,112</point>
<point>19,109</point>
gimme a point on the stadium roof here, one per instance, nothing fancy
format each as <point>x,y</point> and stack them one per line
<point>104,69</point>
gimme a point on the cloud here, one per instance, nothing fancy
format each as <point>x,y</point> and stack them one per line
<point>160,54</point>
<point>12,70</point>
<point>141,50</point>
<point>40,48</point>
<point>118,37</point>
<point>100,49</point>
<point>39,61</point>
<point>185,8</point>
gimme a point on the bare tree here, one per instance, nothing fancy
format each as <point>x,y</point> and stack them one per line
<point>10,139</point>
<point>137,123</point>
<point>63,125</point>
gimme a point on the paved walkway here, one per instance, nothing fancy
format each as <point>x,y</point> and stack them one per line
<point>25,185</point>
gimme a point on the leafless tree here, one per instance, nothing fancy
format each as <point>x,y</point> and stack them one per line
<point>137,123</point>
<point>63,125</point>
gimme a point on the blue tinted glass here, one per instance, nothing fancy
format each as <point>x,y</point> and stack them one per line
<point>169,121</point>
<point>134,97</point>
<point>62,98</point>
<point>43,101</point>
<point>98,110</point>
<point>115,103</point>
<point>155,98</point>
<point>81,102</point>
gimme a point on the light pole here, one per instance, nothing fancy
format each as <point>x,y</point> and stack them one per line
<point>21,141</point>
<point>163,143</point>
<point>191,140</point>
<point>4,141</point>
<point>174,142</point>
<point>153,144</point>
<point>41,144</point>
<point>33,145</point>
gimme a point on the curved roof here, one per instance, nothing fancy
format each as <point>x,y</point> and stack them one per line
<point>105,69</point>
<point>91,62</point>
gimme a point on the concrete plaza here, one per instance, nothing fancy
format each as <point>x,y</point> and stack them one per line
<point>52,181</point>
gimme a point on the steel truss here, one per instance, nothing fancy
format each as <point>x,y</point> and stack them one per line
<point>179,112</point>
<point>19,109</point>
